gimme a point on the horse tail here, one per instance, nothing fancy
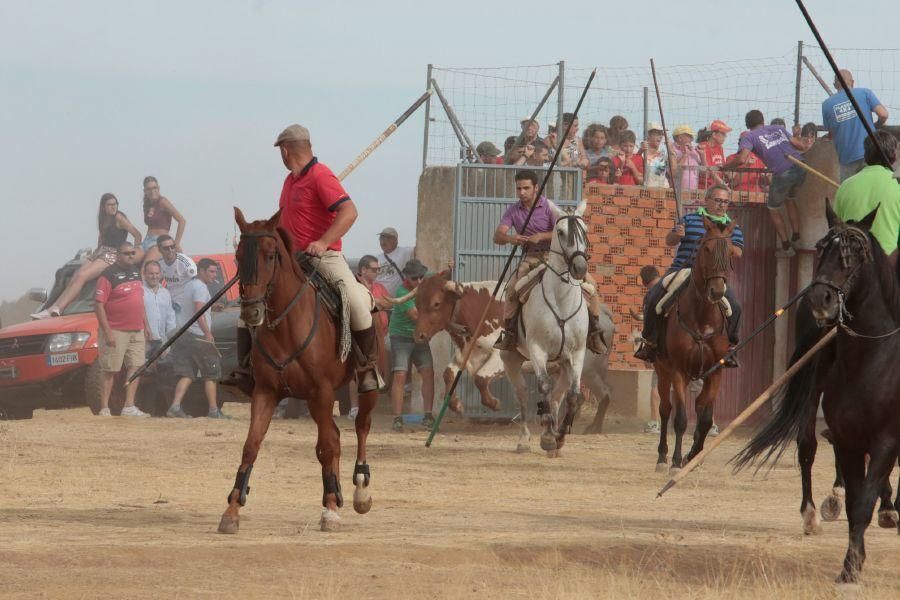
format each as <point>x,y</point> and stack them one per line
<point>796,403</point>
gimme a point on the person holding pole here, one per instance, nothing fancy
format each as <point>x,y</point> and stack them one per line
<point>844,125</point>
<point>774,145</point>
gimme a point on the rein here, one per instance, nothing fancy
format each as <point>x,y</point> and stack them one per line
<point>576,231</point>
<point>559,320</point>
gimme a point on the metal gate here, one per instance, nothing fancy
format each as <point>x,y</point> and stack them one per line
<point>483,193</point>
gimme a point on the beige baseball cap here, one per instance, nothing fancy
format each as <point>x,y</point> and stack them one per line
<point>293,133</point>
<point>389,232</point>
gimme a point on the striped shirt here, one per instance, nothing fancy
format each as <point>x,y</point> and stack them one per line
<point>693,233</point>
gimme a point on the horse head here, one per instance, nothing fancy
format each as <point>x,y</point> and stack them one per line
<point>712,262</point>
<point>261,249</point>
<point>842,253</point>
<point>570,239</point>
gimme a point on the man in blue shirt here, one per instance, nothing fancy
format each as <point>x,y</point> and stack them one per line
<point>687,236</point>
<point>844,125</point>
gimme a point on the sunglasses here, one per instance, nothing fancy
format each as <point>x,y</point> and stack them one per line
<point>129,253</point>
<point>721,202</point>
<point>167,247</point>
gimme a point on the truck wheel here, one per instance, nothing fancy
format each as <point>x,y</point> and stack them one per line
<point>93,387</point>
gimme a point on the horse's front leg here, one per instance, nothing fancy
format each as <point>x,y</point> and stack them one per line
<point>512,364</point>
<point>833,504</point>
<point>887,512</point>
<point>571,378</point>
<point>328,451</point>
<point>362,500</point>
<point>549,406</point>
<point>262,405</point>
<point>704,406</point>
<point>679,389</point>
<point>664,385</point>
<point>806,451</point>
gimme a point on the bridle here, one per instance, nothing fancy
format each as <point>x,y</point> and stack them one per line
<point>852,241</point>
<point>720,256</point>
<point>576,232</point>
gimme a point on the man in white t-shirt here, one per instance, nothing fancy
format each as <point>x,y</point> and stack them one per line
<point>392,260</point>
<point>178,270</point>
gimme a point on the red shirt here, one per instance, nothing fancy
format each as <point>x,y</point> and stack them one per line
<point>308,204</point>
<point>121,291</point>
<point>379,291</point>
<point>715,157</point>
<point>747,181</point>
<point>627,177</point>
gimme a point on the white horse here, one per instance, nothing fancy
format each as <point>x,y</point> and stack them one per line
<point>553,330</point>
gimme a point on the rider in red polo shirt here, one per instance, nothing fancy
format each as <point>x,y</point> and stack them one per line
<point>317,212</point>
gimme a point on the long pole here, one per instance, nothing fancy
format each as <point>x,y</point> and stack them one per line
<point>384,135</point>
<point>818,77</point>
<point>427,119</point>
<point>840,78</point>
<point>451,114</point>
<point>815,172</point>
<point>230,284</point>
<point>771,318</point>
<point>669,149</point>
<point>475,334</point>
<point>534,115</point>
<point>739,420</point>
<point>797,82</point>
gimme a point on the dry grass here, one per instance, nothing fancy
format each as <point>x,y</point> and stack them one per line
<point>117,508</point>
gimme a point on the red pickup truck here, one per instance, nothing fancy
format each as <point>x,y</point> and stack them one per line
<point>51,363</point>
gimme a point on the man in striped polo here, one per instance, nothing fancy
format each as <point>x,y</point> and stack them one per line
<point>687,236</point>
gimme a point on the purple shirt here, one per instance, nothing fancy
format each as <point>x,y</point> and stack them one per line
<point>542,221</point>
<point>772,144</point>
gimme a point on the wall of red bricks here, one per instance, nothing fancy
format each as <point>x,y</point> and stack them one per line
<point>627,226</point>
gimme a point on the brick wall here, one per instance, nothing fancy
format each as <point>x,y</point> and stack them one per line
<point>627,226</point>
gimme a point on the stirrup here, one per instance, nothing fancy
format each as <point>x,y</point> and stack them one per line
<point>647,352</point>
<point>506,341</point>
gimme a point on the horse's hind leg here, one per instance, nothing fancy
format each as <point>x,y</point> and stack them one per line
<point>806,450</point>
<point>261,408</point>
<point>328,451</point>
<point>833,504</point>
<point>679,387</point>
<point>887,512</point>
<point>664,385</point>
<point>362,501</point>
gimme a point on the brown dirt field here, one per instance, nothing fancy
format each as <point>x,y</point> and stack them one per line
<point>123,508</point>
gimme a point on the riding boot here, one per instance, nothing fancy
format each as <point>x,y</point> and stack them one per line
<point>507,340</point>
<point>647,351</point>
<point>367,377</point>
<point>595,341</point>
<point>242,376</point>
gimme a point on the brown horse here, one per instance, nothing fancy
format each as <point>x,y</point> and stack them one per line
<point>695,339</point>
<point>295,353</point>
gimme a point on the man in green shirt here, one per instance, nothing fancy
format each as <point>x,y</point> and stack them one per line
<point>874,186</point>
<point>405,350</point>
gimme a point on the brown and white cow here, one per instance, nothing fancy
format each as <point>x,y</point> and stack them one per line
<point>446,305</point>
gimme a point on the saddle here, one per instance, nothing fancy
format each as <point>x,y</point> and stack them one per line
<point>526,284</point>
<point>674,283</point>
<point>333,297</point>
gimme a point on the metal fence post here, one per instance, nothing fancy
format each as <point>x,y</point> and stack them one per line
<point>560,108</point>
<point>427,119</point>
<point>646,111</point>
<point>797,88</point>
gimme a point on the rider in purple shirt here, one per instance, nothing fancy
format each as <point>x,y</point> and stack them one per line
<point>536,240</point>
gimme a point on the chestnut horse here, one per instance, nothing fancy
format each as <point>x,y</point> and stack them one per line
<point>695,339</point>
<point>295,353</point>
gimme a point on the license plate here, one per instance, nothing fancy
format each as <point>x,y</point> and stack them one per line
<point>67,358</point>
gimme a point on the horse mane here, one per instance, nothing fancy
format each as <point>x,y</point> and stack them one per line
<point>887,278</point>
<point>248,260</point>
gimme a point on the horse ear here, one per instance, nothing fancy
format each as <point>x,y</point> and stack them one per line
<point>830,215</point>
<point>707,223</point>
<point>239,219</point>
<point>557,212</point>
<point>866,221</point>
<point>274,221</point>
<point>582,206</point>
<point>732,224</point>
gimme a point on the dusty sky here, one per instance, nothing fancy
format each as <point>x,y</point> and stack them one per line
<point>96,95</point>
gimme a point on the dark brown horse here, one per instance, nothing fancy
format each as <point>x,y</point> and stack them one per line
<point>695,339</point>
<point>295,353</point>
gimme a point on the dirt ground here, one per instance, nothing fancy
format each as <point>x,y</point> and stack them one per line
<point>127,508</point>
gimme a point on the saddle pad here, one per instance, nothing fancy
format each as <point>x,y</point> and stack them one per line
<point>673,283</point>
<point>334,298</point>
<point>526,284</point>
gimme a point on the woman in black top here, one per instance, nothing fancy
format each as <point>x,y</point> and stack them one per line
<point>114,228</point>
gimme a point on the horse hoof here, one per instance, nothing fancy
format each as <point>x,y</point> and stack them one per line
<point>661,467</point>
<point>362,500</point>
<point>674,471</point>
<point>523,449</point>
<point>832,507</point>
<point>888,519</point>
<point>811,523</point>
<point>330,520</point>
<point>552,453</point>
<point>548,442</point>
<point>229,524</point>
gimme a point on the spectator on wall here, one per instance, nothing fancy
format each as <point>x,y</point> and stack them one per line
<point>687,158</point>
<point>392,259</point>
<point>158,308</point>
<point>536,155</point>
<point>656,157</point>
<point>572,153</point>
<point>617,125</point>
<point>119,305</point>
<point>751,177</point>
<point>779,122</point>
<point>177,270</point>
<point>195,354</point>
<point>489,154</point>
<point>551,139</point>
<point>844,126</point>
<point>604,172</point>
<point>629,166</point>
<point>714,153</point>
<point>530,130</point>
<point>596,146</point>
